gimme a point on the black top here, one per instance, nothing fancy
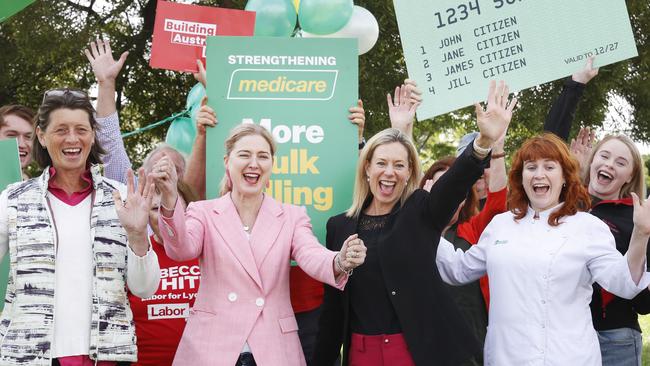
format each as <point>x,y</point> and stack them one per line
<point>469,299</point>
<point>432,325</point>
<point>560,116</point>
<point>372,311</point>
<point>619,312</point>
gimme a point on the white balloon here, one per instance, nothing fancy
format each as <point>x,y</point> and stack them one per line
<point>362,25</point>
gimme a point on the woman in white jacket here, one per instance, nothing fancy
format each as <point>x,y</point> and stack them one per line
<point>74,246</point>
<point>542,258</point>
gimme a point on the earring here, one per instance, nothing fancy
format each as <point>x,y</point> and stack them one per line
<point>367,178</point>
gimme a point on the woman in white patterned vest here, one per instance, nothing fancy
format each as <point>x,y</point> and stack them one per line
<point>74,246</point>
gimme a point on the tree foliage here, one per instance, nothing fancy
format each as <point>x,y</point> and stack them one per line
<point>42,49</point>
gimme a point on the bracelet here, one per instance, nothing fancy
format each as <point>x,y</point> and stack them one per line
<point>337,260</point>
<point>480,152</point>
<point>498,155</point>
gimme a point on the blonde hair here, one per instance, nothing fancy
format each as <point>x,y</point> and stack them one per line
<point>236,134</point>
<point>637,183</point>
<point>361,186</point>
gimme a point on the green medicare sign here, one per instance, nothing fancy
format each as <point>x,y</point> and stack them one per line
<point>9,173</point>
<point>300,90</point>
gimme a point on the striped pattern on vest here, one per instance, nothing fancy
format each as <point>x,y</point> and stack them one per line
<point>27,321</point>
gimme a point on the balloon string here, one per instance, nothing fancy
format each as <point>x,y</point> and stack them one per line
<point>185,113</point>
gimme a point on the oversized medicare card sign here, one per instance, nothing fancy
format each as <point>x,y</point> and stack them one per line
<point>180,32</point>
<point>300,90</point>
<point>9,173</point>
<point>11,7</point>
<point>453,48</point>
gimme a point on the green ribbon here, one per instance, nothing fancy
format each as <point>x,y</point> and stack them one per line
<point>185,113</point>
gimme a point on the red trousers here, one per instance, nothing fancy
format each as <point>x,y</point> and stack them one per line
<point>379,350</point>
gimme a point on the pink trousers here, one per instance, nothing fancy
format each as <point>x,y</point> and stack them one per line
<point>379,350</point>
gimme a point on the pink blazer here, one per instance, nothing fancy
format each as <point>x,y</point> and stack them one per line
<point>244,292</point>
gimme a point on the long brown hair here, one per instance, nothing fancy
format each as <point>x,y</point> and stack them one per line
<point>470,208</point>
<point>573,194</point>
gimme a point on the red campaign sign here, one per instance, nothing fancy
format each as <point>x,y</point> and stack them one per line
<point>180,32</point>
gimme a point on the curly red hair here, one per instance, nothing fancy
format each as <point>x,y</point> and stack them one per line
<point>574,194</point>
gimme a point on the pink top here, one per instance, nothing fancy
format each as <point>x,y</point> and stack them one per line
<point>76,197</point>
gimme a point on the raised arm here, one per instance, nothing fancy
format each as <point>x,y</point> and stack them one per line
<point>560,116</point>
<point>402,107</point>
<point>636,253</point>
<point>206,117</point>
<point>452,187</point>
<point>143,270</point>
<point>106,69</point>
<point>195,173</point>
<point>496,196</point>
<point>182,231</point>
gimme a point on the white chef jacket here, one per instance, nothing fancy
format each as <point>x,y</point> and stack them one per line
<point>540,285</point>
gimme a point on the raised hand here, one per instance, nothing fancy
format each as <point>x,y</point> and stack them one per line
<point>587,73</point>
<point>416,93</point>
<point>134,211</point>
<point>494,119</point>
<point>581,147</point>
<point>358,117</point>
<point>401,109</point>
<point>101,59</point>
<point>353,253</point>
<point>206,117</point>
<point>164,176</point>
<point>641,215</point>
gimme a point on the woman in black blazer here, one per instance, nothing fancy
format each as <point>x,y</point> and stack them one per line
<point>395,310</point>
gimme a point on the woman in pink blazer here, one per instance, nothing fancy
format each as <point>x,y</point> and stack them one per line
<point>244,241</point>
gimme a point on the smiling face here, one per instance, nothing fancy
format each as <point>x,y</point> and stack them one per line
<point>249,165</point>
<point>68,139</point>
<point>612,166</point>
<point>543,182</point>
<point>23,132</point>
<point>388,172</point>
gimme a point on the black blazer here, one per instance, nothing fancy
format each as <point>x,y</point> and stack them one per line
<point>434,329</point>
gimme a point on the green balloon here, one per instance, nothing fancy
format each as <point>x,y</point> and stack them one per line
<point>181,134</point>
<point>275,18</point>
<point>324,16</point>
<point>195,95</point>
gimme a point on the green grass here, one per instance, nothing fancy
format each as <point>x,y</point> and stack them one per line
<point>645,327</point>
